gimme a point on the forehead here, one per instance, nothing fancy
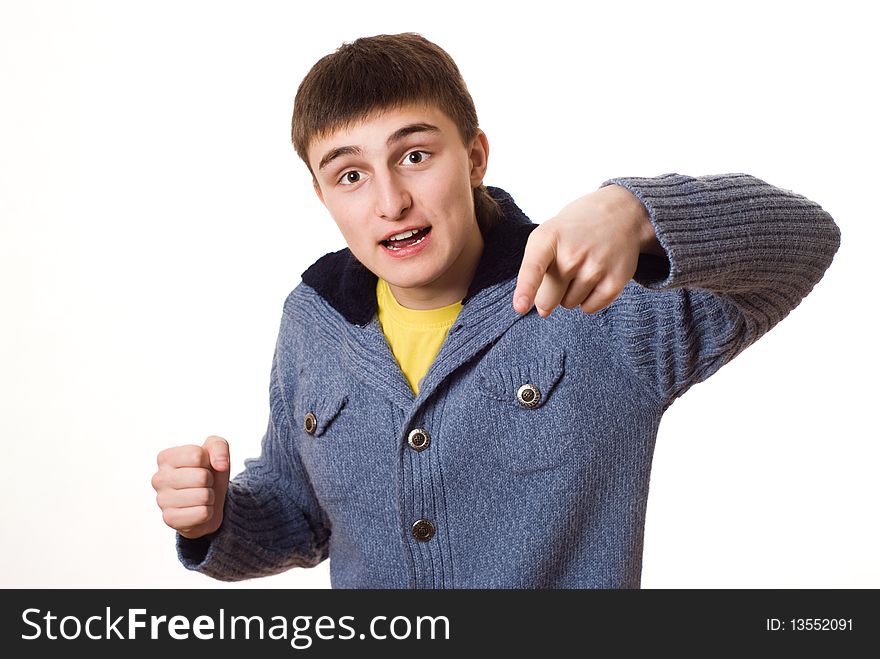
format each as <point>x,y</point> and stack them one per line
<point>373,130</point>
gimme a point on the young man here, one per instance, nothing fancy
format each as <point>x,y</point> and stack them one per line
<point>428,427</point>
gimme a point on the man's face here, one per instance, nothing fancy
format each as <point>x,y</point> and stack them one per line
<point>402,170</point>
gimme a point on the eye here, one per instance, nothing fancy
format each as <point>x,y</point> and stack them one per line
<point>350,178</point>
<point>416,157</point>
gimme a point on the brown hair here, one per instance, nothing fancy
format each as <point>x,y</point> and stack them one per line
<point>378,73</point>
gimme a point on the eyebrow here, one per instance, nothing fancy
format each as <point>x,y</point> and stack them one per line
<point>395,137</point>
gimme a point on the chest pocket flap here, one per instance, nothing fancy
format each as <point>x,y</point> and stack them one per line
<point>527,385</point>
<point>318,412</point>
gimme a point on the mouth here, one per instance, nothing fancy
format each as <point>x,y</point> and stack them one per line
<point>406,239</point>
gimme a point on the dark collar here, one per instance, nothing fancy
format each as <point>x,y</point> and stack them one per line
<point>350,288</point>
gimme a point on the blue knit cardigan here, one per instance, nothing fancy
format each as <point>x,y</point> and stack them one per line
<point>505,488</point>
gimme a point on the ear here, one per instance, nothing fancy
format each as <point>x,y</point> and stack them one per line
<point>318,190</point>
<point>479,158</point>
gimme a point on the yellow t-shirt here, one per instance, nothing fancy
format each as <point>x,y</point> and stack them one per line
<point>415,335</point>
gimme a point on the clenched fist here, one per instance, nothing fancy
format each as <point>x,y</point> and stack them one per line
<point>191,486</point>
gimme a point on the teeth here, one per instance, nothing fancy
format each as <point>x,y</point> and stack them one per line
<point>397,249</point>
<point>405,234</point>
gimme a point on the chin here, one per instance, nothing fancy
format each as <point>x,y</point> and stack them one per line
<point>412,280</point>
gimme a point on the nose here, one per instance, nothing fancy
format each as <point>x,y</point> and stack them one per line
<point>392,198</point>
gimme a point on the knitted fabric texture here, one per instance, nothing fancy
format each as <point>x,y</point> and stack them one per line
<point>551,495</point>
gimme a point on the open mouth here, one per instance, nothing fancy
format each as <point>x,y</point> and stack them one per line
<point>406,239</point>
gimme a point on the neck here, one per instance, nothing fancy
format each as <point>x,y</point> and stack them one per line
<point>451,286</point>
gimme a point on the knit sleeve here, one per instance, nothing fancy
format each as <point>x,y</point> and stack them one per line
<point>271,520</point>
<point>741,254</point>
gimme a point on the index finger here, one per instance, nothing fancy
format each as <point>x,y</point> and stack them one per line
<point>184,456</point>
<point>540,253</point>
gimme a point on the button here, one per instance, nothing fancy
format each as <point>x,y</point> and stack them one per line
<point>310,424</point>
<point>528,395</point>
<point>423,530</point>
<point>418,439</point>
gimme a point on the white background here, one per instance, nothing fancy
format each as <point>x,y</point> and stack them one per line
<point>153,217</point>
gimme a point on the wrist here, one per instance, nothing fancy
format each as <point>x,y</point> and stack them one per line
<point>646,235</point>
